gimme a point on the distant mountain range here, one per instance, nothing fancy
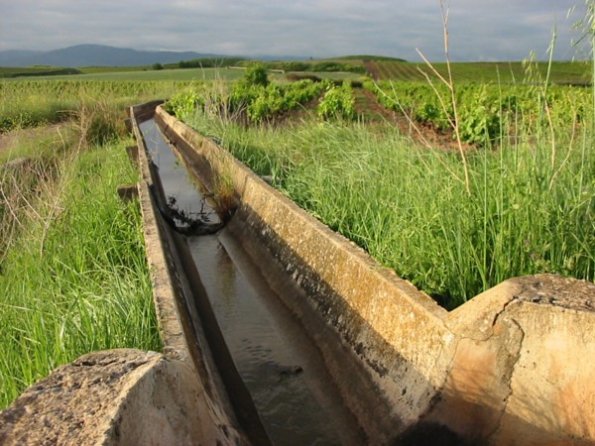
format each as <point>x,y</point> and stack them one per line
<point>94,55</point>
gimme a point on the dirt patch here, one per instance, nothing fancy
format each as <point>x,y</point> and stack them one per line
<point>300,113</point>
<point>429,135</point>
<point>372,69</point>
<point>368,107</point>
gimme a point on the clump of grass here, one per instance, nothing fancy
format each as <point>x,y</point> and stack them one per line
<point>22,182</point>
<point>76,279</point>
<point>411,208</point>
<point>100,122</point>
<point>41,142</point>
<point>226,200</point>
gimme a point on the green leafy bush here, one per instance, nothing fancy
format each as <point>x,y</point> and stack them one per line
<point>256,74</point>
<point>184,103</point>
<point>338,103</point>
<point>267,102</point>
<point>264,102</point>
<point>485,110</point>
<point>479,116</point>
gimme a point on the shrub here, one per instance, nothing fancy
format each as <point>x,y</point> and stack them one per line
<point>263,102</point>
<point>183,103</point>
<point>337,103</point>
<point>256,74</point>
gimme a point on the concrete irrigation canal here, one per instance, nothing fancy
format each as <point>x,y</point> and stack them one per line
<point>278,331</point>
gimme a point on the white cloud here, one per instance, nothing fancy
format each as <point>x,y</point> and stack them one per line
<point>480,29</point>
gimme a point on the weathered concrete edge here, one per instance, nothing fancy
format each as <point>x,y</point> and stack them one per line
<point>519,368</point>
<point>116,397</point>
<point>164,295</point>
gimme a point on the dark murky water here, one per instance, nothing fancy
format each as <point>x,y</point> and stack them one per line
<point>179,187</point>
<point>281,367</point>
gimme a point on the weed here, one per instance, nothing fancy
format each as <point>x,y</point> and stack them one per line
<point>75,279</point>
<point>100,122</point>
<point>338,102</point>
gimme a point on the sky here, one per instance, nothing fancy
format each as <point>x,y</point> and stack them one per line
<point>478,29</point>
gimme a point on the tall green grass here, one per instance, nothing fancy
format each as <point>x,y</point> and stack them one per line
<point>528,212</point>
<point>75,280</point>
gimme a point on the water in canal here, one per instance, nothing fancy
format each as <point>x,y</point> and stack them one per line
<point>293,392</point>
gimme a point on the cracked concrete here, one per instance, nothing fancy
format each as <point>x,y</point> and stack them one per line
<point>117,397</point>
<point>553,390</point>
<point>478,382</point>
<point>518,373</point>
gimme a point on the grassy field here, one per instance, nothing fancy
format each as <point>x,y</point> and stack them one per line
<point>178,74</point>
<point>524,204</point>
<point>73,276</point>
<point>503,72</point>
<point>185,74</point>
<point>377,67</point>
<point>30,102</point>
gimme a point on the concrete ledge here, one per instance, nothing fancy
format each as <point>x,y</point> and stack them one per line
<point>520,371</point>
<point>156,247</point>
<point>118,397</point>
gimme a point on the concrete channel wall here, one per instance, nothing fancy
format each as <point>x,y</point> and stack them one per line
<point>510,367</point>
<point>507,367</point>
